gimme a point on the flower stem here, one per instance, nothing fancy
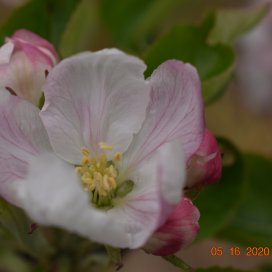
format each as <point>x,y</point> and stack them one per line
<point>176,261</point>
<point>115,257</point>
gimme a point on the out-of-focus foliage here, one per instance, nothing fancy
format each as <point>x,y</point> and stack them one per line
<point>16,227</point>
<point>219,201</point>
<point>231,24</point>
<point>219,269</point>
<point>26,249</point>
<point>84,30</point>
<point>48,18</point>
<point>244,194</point>
<point>132,21</point>
<point>188,43</point>
<point>252,222</point>
<point>12,262</point>
<point>265,268</point>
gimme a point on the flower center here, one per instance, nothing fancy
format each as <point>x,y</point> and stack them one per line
<point>99,176</point>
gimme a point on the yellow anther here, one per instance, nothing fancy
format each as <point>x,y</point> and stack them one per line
<point>117,156</point>
<point>106,186</point>
<point>105,146</point>
<point>112,171</point>
<point>85,175</point>
<point>97,165</point>
<point>112,182</point>
<point>103,159</point>
<point>93,160</point>
<point>85,160</point>
<point>87,181</point>
<point>97,177</point>
<point>78,169</point>
<point>85,152</point>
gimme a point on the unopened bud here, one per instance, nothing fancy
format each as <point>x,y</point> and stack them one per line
<point>205,166</point>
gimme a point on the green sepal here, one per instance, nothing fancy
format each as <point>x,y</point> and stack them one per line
<point>115,256</point>
<point>41,101</point>
<point>125,188</point>
<point>176,261</point>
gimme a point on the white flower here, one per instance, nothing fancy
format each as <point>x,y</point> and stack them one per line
<point>117,163</point>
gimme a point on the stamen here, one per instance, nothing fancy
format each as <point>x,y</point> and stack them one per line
<point>117,156</point>
<point>85,151</point>
<point>99,176</point>
<point>105,146</point>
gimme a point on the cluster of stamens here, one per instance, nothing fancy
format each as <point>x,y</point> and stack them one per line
<point>99,175</point>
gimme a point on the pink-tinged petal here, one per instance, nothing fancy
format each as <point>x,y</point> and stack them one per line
<point>205,166</point>
<point>175,111</point>
<point>178,231</point>
<point>157,189</point>
<point>92,98</point>
<point>25,60</point>
<point>24,77</point>
<point>23,38</point>
<point>34,54</point>
<point>53,195</point>
<point>6,52</point>
<point>22,138</point>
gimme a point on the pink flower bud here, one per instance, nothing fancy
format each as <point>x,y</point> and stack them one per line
<point>205,166</point>
<point>178,231</point>
<point>25,60</point>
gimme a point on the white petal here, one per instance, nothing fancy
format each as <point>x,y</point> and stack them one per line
<point>52,195</point>
<point>22,138</point>
<point>157,189</point>
<point>5,53</point>
<point>92,98</point>
<point>175,111</point>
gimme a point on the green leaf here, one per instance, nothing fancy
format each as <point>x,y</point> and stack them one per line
<point>188,43</point>
<point>16,227</point>
<point>265,268</point>
<point>44,17</point>
<point>130,21</point>
<point>252,223</point>
<point>10,261</point>
<point>60,12</point>
<point>221,269</point>
<point>214,87</point>
<point>84,31</point>
<point>33,16</point>
<point>218,202</point>
<point>231,24</point>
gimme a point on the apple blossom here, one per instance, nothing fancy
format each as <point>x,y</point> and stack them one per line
<point>105,158</point>
<point>25,60</point>
<point>205,166</point>
<point>178,231</point>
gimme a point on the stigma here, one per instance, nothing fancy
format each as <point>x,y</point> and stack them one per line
<point>99,175</point>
